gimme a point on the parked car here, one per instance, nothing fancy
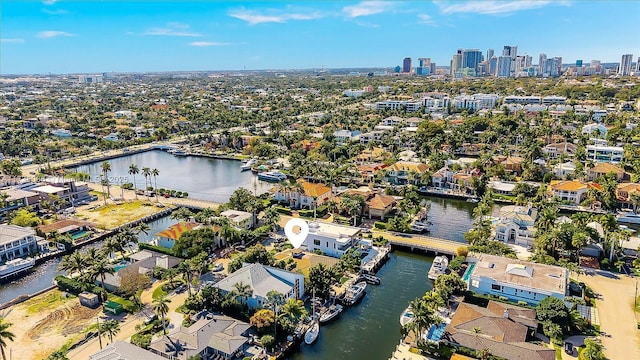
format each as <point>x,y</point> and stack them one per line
<point>217,267</point>
<point>151,318</point>
<point>568,348</point>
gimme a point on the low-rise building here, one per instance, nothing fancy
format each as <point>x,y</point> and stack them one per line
<point>331,239</point>
<point>564,170</point>
<point>403,172</point>
<point>307,195</point>
<point>601,169</point>
<point>122,350</point>
<point>167,238</point>
<point>569,190</point>
<point>554,151</point>
<point>516,280</point>
<point>595,130</point>
<point>628,195</point>
<point>406,105</point>
<point>516,225</point>
<point>601,153</point>
<point>143,263</point>
<point>343,136</point>
<point>379,205</point>
<point>240,219</point>
<point>263,279</point>
<point>17,241</point>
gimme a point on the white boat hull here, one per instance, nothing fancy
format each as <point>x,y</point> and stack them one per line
<point>331,314</point>
<point>312,334</point>
<point>629,219</point>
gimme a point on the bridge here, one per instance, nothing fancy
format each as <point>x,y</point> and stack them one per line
<point>419,242</point>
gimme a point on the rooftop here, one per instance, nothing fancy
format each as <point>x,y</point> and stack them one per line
<point>332,230</point>
<point>49,189</point>
<point>122,350</point>
<point>9,233</point>
<point>262,280</point>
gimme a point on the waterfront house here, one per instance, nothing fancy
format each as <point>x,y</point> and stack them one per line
<point>516,280</point>
<point>504,331</point>
<point>17,242</point>
<point>262,279</point>
<point>210,337</point>
<point>564,169</point>
<point>603,153</point>
<point>602,169</point>
<point>331,239</point>
<point>167,238</point>
<point>379,205</point>
<point>516,225</point>
<point>122,350</point>
<point>240,219</point>
<point>368,171</point>
<point>628,195</point>
<point>143,263</point>
<point>569,190</point>
<point>308,195</point>
<point>512,164</point>
<point>403,172</point>
<point>77,229</point>
<point>18,198</point>
<point>442,177</point>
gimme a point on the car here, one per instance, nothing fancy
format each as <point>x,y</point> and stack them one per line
<point>298,255</point>
<point>241,248</point>
<point>568,348</point>
<point>217,267</point>
<point>151,318</point>
<point>180,289</point>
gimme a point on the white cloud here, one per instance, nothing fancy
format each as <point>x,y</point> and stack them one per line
<point>366,8</point>
<point>52,34</point>
<point>254,17</point>
<point>173,29</point>
<point>49,2</point>
<point>11,40</point>
<point>493,7</point>
<point>207,43</point>
<point>426,20</point>
<point>54,12</point>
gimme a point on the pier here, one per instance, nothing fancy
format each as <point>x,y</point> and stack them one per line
<point>419,242</point>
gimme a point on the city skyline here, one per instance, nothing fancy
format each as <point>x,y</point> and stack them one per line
<point>78,37</point>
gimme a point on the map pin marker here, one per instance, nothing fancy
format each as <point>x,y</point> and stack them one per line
<point>296,239</point>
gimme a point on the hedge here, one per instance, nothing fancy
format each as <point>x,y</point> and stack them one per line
<point>306,213</point>
<point>380,225</point>
<point>75,287</point>
<point>160,249</point>
<point>322,210</point>
<point>282,210</point>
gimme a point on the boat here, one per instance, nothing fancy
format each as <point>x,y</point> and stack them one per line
<point>16,266</point>
<point>355,293</point>
<point>439,266</point>
<point>271,176</point>
<point>312,333</point>
<point>473,200</point>
<point>247,166</point>
<point>332,313</point>
<point>628,216</point>
<point>371,279</point>
<point>626,228</point>
<point>406,317</point>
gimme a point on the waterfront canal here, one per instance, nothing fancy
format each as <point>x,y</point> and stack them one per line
<point>371,328</point>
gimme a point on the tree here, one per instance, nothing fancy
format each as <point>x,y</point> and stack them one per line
<point>110,328</point>
<point>268,341</point>
<point>552,330</point>
<point>211,298</point>
<point>25,218</point>
<point>58,355</point>
<point>243,200</point>
<point>161,307</point>
<point>134,170</point>
<point>106,168</point>
<point>243,291</point>
<point>5,335</point>
<point>73,263</point>
<point>100,268</point>
<point>263,319</point>
<point>271,218</point>
<point>592,350</point>
<point>320,279</point>
<point>293,310</point>
<point>193,242</point>
<point>553,310</point>
<point>155,172</point>
<point>146,172</point>
<point>131,281</point>
<point>183,214</point>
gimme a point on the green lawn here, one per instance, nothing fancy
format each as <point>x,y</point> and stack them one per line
<point>49,300</point>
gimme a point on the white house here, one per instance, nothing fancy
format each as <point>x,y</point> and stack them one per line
<point>239,219</point>
<point>346,135</point>
<point>332,239</point>
<point>263,279</point>
<point>393,121</point>
<point>310,195</point>
<point>516,225</point>
<point>17,241</point>
<point>562,170</point>
<point>601,153</point>
<point>569,190</point>
<point>597,129</point>
<point>563,148</point>
<point>516,280</point>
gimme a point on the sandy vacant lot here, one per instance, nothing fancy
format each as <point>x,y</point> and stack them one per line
<point>113,215</point>
<point>47,322</point>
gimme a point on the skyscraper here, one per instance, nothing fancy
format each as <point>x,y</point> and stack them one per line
<point>511,51</point>
<point>456,62</point>
<point>489,54</point>
<point>471,58</point>
<point>424,66</point>
<point>406,65</point>
<point>541,59</point>
<point>504,66</point>
<point>552,67</point>
<point>578,63</point>
<point>493,65</point>
<point>638,65</point>
<point>625,65</point>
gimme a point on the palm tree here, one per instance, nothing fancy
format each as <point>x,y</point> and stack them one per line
<point>293,309</point>
<point>146,172</point>
<point>73,263</point>
<point>271,218</point>
<point>243,290</point>
<point>106,168</point>
<point>101,267</point>
<point>3,199</point>
<point>134,170</point>
<point>5,335</point>
<point>161,307</point>
<point>155,173</point>
<point>143,227</point>
<point>110,328</point>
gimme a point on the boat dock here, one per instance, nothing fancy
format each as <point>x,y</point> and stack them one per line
<point>374,261</point>
<point>427,244</point>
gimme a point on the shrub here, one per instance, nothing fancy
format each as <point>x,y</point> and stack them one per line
<point>604,264</point>
<point>282,210</point>
<point>160,249</point>
<point>322,210</point>
<point>456,263</point>
<point>380,225</point>
<point>462,251</point>
<point>75,287</point>
<point>306,213</point>
<point>141,340</point>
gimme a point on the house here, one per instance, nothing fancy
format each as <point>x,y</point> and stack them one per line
<point>308,195</point>
<point>442,177</point>
<point>403,172</point>
<point>602,153</point>
<point>240,219</point>
<point>392,121</point>
<point>122,350</point>
<point>368,137</point>
<point>144,262</point>
<point>331,239</point>
<point>516,280</point>
<point>17,198</point>
<point>372,155</point>
<point>554,151</point>
<point>516,225</point>
<point>167,238</point>
<point>504,331</point>
<point>511,164</point>
<point>210,337</point>
<point>502,187</point>
<point>343,136</point>
<point>17,242</point>
<point>565,169</point>
<point>368,171</point>
<point>595,130</point>
<point>63,133</point>
<point>601,169</point>
<point>77,229</point>
<point>628,194</point>
<point>569,190</point>
<point>379,205</point>
<point>262,279</point>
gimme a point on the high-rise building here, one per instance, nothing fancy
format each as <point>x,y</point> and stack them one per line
<point>638,65</point>
<point>456,62</point>
<point>406,65</point>
<point>489,54</point>
<point>504,66</point>
<point>432,68</point>
<point>578,63</point>
<point>493,65</point>
<point>528,61</point>
<point>552,67</point>
<point>511,51</point>
<point>625,65</point>
<point>471,58</point>
<point>541,59</point>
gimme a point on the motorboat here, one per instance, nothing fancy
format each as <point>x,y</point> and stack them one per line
<point>371,279</point>
<point>247,166</point>
<point>271,176</point>
<point>16,266</point>
<point>626,228</point>
<point>312,333</point>
<point>439,267</point>
<point>473,200</point>
<point>406,317</point>
<point>331,313</point>
<point>355,293</point>
<point>628,216</point>
<point>177,152</point>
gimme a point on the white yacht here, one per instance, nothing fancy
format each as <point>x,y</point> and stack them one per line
<point>406,317</point>
<point>628,216</point>
<point>355,292</point>
<point>247,166</point>
<point>15,266</point>
<point>439,267</point>
<point>312,334</point>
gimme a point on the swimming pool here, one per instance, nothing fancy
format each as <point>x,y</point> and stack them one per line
<point>435,332</point>
<point>79,234</point>
<point>467,274</point>
<point>118,267</point>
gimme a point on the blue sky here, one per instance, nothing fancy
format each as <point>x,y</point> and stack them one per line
<point>75,36</point>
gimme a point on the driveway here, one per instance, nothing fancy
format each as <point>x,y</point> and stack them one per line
<point>621,338</point>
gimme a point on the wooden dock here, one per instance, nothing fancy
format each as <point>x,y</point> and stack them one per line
<point>419,242</point>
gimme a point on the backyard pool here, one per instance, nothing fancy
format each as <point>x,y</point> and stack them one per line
<point>435,332</point>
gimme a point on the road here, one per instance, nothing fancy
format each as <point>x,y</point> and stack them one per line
<point>128,327</point>
<point>617,318</point>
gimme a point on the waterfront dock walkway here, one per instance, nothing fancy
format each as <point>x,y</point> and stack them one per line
<point>425,243</point>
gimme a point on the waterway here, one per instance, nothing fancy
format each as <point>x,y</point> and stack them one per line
<point>371,328</point>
